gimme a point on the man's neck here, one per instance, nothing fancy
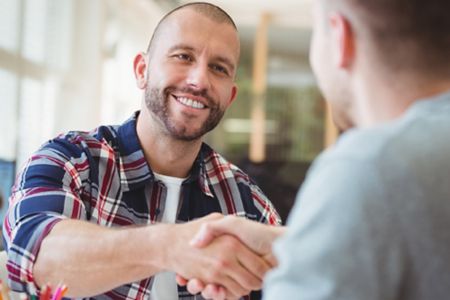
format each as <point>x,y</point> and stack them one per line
<point>384,100</point>
<point>164,154</point>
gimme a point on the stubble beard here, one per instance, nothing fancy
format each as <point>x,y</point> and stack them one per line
<point>157,103</point>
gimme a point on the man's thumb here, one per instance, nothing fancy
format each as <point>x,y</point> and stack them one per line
<point>203,237</point>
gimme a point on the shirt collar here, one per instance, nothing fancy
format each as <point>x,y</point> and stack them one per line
<point>198,171</point>
<point>134,170</point>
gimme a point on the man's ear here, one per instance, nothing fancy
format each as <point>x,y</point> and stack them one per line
<point>234,91</point>
<point>140,70</point>
<point>342,40</point>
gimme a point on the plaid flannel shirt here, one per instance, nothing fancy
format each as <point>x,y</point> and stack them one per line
<point>102,177</point>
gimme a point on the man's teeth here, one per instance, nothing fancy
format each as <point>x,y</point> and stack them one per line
<point>190,102</point>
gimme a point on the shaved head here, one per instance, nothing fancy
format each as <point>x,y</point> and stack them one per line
<point>209,10</point>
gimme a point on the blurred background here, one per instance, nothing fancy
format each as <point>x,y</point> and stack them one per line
<point>67,64</point>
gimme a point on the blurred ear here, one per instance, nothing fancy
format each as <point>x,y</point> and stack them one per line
<point>140,70</point>
<point>233,94</point>
<point>342,39</point>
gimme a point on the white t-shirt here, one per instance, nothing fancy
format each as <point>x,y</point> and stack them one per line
<point>164,285</point>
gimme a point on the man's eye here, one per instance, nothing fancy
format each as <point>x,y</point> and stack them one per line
<point>220,69</point>
<point>185,57</point>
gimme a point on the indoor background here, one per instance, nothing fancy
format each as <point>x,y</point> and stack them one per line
<point>67,65</point>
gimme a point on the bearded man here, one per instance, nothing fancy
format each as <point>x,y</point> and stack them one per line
<point>97,210</point>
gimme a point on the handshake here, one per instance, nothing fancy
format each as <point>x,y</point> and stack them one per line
<point>227,256</point>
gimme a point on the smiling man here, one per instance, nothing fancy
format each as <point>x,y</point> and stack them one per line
<point>143,176</point>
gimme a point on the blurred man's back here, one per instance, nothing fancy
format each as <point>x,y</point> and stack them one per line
<point>372,218</point>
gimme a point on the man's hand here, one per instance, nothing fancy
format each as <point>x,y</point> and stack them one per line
<point>258,237</point>
<point>210,291</point>
<point>224,261</point>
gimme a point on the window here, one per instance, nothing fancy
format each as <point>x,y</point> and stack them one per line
<point>35,43</point>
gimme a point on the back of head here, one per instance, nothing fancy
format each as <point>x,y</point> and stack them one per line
<point>406,34</point>
<point>209,10</point>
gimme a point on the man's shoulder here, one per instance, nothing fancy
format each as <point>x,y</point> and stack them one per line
<point>369,163</point>
<point>406,139</point>
<point>100,138</point>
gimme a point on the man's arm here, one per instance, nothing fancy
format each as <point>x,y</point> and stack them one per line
<point>93,259</point>
<point>48,239</point>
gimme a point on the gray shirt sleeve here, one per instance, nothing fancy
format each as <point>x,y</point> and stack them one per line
<point>342,241</point>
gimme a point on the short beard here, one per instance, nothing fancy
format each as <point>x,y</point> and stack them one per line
<point>157,100</point>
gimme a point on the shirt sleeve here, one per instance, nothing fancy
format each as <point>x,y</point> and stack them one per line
<point>341,242</point>
<point>46,191</point>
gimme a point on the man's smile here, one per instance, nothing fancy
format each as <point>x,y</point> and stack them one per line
<point>190,102</point>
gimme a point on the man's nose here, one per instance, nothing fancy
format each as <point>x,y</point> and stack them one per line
<point>198,77</point>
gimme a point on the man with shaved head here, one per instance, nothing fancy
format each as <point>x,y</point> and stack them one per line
<point>97,211</point>
<point>372,218</point>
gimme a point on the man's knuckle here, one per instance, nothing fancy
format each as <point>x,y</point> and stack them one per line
<point>215,215</point>
<point>261,269</point>
<point>232,244</point>
<point>213,273</point>
<point>222,264</point>
<point>251,284</point>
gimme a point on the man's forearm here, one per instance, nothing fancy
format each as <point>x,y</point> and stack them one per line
<point>91,259</point>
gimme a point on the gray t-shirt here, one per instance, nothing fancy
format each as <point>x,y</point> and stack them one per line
<point>372,220</point>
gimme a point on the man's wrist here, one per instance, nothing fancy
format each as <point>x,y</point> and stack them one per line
<point>155,241</point>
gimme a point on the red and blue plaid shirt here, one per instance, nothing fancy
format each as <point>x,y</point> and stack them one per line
<point>102,177</point>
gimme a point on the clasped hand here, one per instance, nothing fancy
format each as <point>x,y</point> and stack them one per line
<point>230,256</point>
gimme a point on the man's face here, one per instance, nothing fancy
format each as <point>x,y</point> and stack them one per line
<point>333,85</point>
<point>191,73</point>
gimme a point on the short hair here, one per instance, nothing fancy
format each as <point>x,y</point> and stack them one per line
<point>406,33</point>
<point>209,10</point>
